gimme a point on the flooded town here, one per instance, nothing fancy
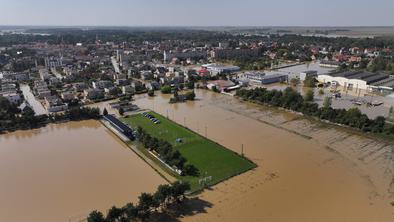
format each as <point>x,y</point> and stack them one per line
<point>196,123</point>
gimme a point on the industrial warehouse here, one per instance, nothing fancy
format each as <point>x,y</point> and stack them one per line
<point>359,80</point>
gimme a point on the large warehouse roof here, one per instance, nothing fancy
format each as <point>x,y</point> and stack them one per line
<point>368,77</point>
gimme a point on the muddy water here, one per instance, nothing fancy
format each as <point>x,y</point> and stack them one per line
<point>62,172</point>
<point>299,177</point>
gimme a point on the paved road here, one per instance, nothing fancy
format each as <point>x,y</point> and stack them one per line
<point>115,64</point>
<point>34,103</point>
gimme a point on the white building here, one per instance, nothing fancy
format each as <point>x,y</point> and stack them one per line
<point>254,76</point>
<point>354,79</point>
<point>215,69</point>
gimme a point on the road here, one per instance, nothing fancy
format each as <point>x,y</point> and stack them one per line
<point>31,99</point>
<point>115,64</point>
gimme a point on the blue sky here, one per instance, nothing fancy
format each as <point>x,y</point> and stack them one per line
<point>198,12</point>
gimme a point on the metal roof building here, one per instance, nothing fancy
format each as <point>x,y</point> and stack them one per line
<point>353,79</point>
<point>120,126</point>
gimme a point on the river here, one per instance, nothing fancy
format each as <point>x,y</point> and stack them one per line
<point>61,172</point>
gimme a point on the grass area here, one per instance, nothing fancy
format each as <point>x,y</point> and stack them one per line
<point>209,157</point>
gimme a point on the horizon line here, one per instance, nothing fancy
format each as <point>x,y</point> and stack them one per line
<point>213,26</point>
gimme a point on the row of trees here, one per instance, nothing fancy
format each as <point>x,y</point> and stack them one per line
<point>147,204</point>
<point>13,118</point>
<point>292,100</point>
<point>253,63</point>
<point>167,89</point>
<point>183,97</point>
<point>166,152</point>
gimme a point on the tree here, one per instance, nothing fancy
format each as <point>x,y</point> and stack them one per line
<point>151,93</point>
<point>114,214</point>
<point>105,112</point>
<point>162,194</point>
<point>309,96</point>
<point>378,124</point>
<point>310,82</point>
<point>327,102</point>
<point>121,111</point>
<point>190,85</point>
<point>166,89</point>
<point>190,95</point>
<point>191,170</point>
<point>146,202</point>
<point>130,211</point>
<point>179,189</point>
<point>176,93</point>
<point>96,216</point>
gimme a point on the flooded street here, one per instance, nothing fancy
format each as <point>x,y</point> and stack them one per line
<point>62,172</point>
<point>306,172</point>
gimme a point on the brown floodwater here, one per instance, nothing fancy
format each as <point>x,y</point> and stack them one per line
<point>299,178</point>
<point>61,172</point>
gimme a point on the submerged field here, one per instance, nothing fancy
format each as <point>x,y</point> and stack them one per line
<point>212,159</point>
<point>61,172</point>
<point>306,172</point>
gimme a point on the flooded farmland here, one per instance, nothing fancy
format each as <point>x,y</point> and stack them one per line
<point>62,172</point>
<point>306,171</point>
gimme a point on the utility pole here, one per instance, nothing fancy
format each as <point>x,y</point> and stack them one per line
<point>206,131</point>
<point>167,113</point>
<point>184,121</point>
<point>242,149</point>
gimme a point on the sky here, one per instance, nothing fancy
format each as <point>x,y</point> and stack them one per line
<point>197,12</point>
